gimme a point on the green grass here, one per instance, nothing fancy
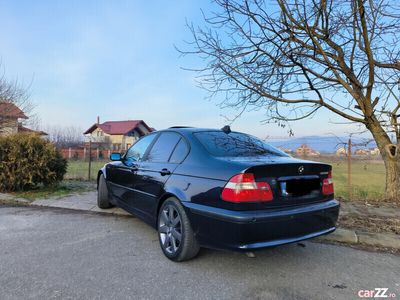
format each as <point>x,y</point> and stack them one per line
<point>368,180</point>
<point>79,169</point>
<point>63,189</point>
<point>368,177</point>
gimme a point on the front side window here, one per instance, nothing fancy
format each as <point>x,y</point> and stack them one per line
<point>163,147</point>
<point>137,151</point>
<point>221,144</point>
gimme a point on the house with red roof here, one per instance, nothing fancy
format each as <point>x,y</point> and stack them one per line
<point>117,135</point>
<point>305,150</point>
<point>10,120</point>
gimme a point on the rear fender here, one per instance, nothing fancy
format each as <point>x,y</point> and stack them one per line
<point>174,191</point>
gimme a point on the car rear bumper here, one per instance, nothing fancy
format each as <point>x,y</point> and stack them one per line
<point>250,230</point>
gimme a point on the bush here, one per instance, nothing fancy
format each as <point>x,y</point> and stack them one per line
<point>28,160</point>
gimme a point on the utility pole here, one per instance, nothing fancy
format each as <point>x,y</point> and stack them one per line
<point>350,191</point>
<point>90,158</point>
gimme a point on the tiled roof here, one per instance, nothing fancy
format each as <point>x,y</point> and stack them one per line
<point>117,127</point>
<point>22,129</point>
<point>11,110</point>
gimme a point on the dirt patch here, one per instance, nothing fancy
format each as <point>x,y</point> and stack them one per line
<point>366,247</point>
<point>373,202</point>
<point>370,223</point>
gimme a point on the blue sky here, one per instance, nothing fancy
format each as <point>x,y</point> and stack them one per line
<point>116,59</point>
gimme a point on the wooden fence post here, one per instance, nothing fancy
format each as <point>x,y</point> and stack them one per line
<point>90,159</point>
<point>350,190</point>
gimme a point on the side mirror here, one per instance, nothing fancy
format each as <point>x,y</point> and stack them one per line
<point>115,156</point>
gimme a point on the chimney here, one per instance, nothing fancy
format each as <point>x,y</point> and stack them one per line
<point>98,120</point>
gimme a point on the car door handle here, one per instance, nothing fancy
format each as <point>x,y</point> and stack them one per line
<point>165,171</point>
<point>134,168</point>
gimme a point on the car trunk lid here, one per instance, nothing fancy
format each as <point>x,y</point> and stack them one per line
<point>293,182</point>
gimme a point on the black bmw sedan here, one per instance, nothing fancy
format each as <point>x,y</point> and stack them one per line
<point>219,189</point>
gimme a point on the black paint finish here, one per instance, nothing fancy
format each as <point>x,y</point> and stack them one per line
<point>197,178</point>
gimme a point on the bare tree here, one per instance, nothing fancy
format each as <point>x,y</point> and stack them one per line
<point>294,57</point>
<point>64,137</point>
<point>14,97</point>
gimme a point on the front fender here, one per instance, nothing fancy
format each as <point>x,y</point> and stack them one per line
<point>101,171</point>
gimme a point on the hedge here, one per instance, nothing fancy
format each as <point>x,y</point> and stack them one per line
<point>27,160</point>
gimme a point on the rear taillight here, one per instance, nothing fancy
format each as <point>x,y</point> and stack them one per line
<point>327,185</point>
<point>244,188</point>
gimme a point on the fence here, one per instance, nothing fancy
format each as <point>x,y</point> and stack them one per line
<point>83,153</point>
<point>79,169</point>
<point>84,162</point>
<point>360,175</point>
<point>367,174</point>
<point>357,177</point>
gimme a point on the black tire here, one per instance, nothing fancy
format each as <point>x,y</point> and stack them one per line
<point>102,194</point>
<point>168,233</point>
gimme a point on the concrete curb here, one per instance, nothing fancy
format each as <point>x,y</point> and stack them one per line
<point>86,208</point>
<point>64,203</point>
<point>343,235</point>
<point>8,199</point>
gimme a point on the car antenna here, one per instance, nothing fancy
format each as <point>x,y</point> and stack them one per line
<point>226,129</point>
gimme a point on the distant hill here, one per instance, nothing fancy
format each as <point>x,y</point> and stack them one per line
<point>323,144</point>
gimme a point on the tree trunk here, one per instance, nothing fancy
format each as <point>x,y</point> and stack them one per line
<point>393,179</point>
<point>391,157</point>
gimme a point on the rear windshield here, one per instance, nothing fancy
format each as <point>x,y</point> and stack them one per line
<point>218,143</point>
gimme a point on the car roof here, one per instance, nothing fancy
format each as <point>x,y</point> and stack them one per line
<point>187,129</point>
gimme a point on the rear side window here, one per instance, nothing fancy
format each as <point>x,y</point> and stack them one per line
<point>163,147</point>
<point>180,152</point>
<point>233,144</point>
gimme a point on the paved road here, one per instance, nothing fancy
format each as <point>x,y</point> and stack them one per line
<point>47,253</point>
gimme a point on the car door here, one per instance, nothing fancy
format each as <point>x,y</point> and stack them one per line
<point>154,171</point>
<point>123,175</point>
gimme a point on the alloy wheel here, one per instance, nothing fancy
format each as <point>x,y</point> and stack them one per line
<point>170,229</point>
